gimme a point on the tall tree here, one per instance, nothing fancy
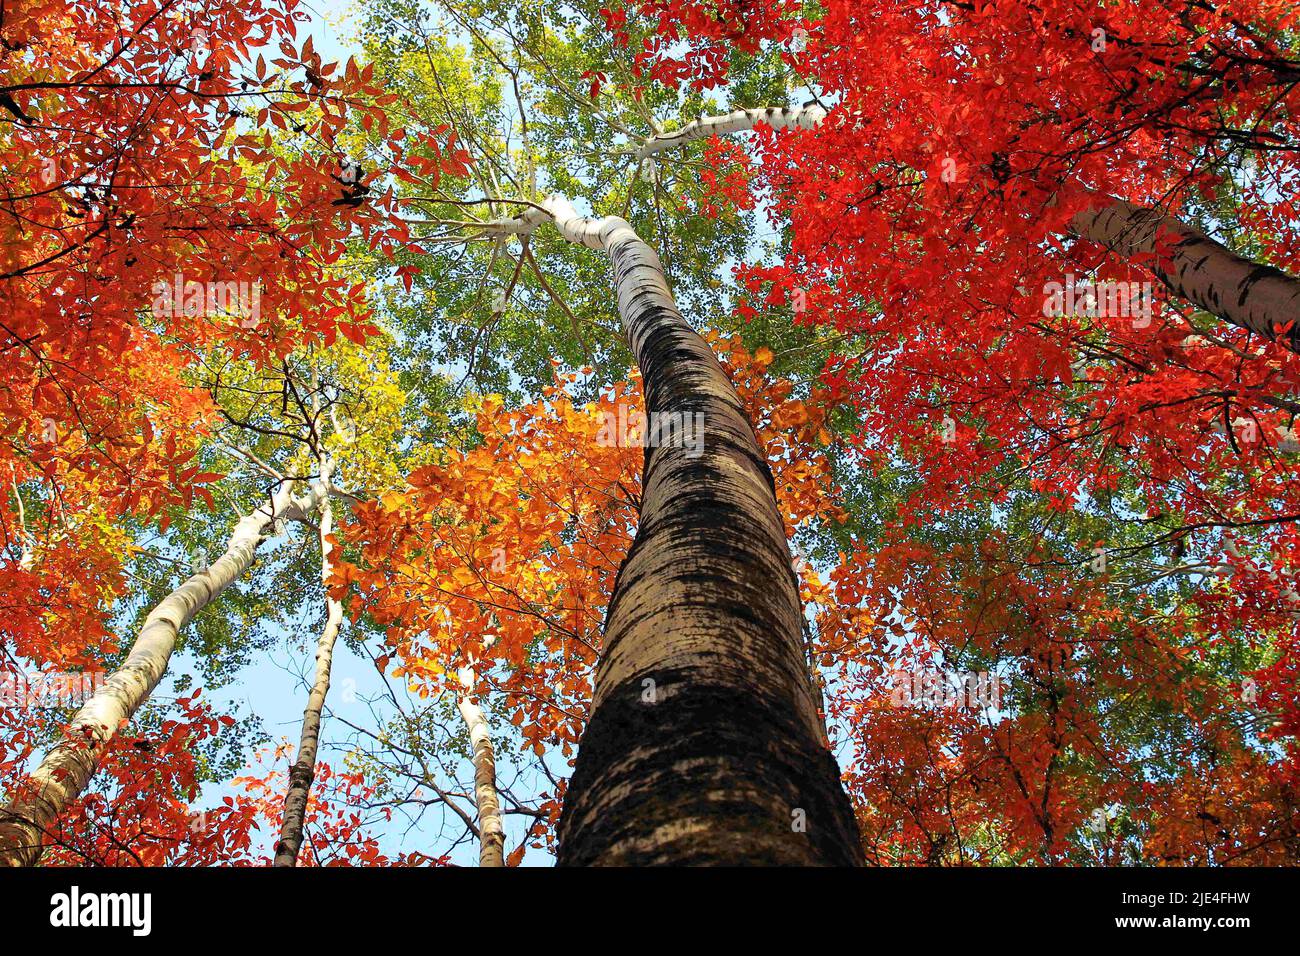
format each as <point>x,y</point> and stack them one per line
<point>1086,504</point>
<point>705,743</point>
<point>303,770</point>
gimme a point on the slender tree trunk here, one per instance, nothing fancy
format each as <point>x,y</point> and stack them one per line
<point>1193,266</point>
<point>68,767</point>
<point>491,832</point>
<point>1206,273</point>
<point>303,771</point>
<point>740,121</point>
<point>704,744</point>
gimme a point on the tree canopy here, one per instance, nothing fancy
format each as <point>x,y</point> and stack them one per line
<point>361,374</point>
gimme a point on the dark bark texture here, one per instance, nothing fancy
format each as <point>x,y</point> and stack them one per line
<point>705,744</point>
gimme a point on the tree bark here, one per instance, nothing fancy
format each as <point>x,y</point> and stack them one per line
<point>491,832</point>
<point>1247,294</point>
<point>705,744</point>
<point>68,767</point>
<point>1195,267</point>
<point>303,771</point>
<point>739,121</point>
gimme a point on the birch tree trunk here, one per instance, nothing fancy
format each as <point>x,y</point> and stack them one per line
<point>1247,294</point>
<point>491,832</point>
<point>1195,267</point>
<point>68,767</point>
<point>303,772</point>
<point>704,744</point>
<point>739,121</point>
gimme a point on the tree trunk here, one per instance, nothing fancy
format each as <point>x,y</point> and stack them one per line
<point>705,744</point>
<point>68,767</point>
<point>740,121</point>
<point>303,771</point>
<point>491,833</point>
<point>1206,273</point>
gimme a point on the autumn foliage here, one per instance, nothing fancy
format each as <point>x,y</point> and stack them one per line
<point>931,220</point>
<point>991,476</point>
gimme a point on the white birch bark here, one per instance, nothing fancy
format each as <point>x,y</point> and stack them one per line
<point>64,772</point>
<point>303,772</point>
<point>1248,294</point>
<point>740,121</point>
<point>491,832</point>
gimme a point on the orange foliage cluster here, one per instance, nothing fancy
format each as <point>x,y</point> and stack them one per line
<point>1100,712</point>
<point>138,160</point>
